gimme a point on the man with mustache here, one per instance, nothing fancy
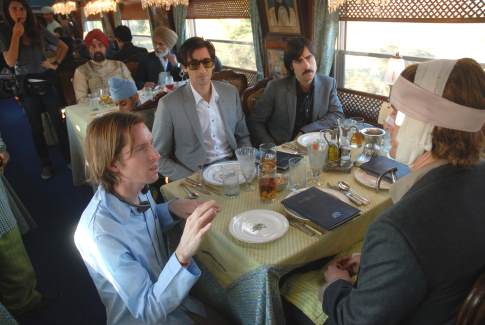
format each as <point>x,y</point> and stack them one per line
<point>94,74</point>
<point>304,101</point>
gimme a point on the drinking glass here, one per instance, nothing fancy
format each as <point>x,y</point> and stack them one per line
<point>267,155</point>
<point>230,181</point>
<point>163,78</point>
<point>247,161</point>
<point>267,183</point>
<point>297,174</point>
<point>169,83</point>
<point>357,137</point>
<point>317,154</point>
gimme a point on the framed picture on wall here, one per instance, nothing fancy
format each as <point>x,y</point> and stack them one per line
<point>282,16</point>
<point>275,65</point>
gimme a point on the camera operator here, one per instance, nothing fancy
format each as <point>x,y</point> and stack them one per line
<point>23,47</point>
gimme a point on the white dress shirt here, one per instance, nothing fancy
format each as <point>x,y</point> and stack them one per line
<point>213,130</point>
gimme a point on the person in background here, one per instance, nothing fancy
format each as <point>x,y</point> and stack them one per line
<point>51,22</point>
<point>61,33</point>
<point>201,122</point>
<point>422,255</point>
<point>122,233</point>
<point>17,277</point>
<point>23,49</point>
<point>128,51</point>
<point>302,102</point>
<point>163,59</point>
<point>94,74</point>
<point>125,96</point>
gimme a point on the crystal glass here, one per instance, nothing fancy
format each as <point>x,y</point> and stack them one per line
<point>317,154</point>
<point>297,174</point>
<point>230,181</point>
<point>163,78</point>
<point>247,161</point>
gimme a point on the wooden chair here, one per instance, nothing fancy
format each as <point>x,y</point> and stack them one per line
<point>472,312</point>
<point>238,80</point>
<point>361,104</point>
<point>251,94</point>
<point>132,66</point>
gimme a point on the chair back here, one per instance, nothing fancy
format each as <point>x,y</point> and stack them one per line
<point>238,80</point>
<point>472,312</point>
<point>360,104</point>
<point>65,76</point>
<point>251,95</point>
<point>132,66</point>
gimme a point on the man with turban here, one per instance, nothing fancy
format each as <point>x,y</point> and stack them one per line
<point>94,74</point>
<point>421,256</point>
<point>124,94</point>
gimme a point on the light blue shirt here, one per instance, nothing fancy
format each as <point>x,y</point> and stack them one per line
<point>126,256</point>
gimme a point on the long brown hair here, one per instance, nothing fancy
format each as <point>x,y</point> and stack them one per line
<point>32,28</point>
<point>105,138</point>
<point>465,86</point>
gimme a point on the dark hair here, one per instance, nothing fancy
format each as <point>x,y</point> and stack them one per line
<point>294,49</point>
<point>465,87</point>
<point>192,44</point>
<point>32,28</point>
<point>123,33</point>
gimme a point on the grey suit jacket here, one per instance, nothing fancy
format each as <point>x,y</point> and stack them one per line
<point>177,134</point>
<point>273,118</point>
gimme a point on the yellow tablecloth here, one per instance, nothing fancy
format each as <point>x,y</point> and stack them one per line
<point>230,261</point>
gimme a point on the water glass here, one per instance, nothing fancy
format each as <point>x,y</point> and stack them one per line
<point>163,78</point>
<point>297,174</point>
<point>247,161</point>
<point>230,181</point>
<point>317,154</point>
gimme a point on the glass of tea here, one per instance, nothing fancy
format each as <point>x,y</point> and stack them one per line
<point>267,183</point>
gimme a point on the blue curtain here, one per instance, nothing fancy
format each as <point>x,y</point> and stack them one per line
<point>257,37</point>
<point>326,30</point>
<point>179,16</point>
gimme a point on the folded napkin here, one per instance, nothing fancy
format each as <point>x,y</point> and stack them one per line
<point>378,165</point>
<point>325,210</point>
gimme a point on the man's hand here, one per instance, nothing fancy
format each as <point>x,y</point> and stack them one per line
<point>183,208</point>
<point>198,223</point>
<point>172,58</point>
<point>335,272</point>
<point>350,263</point>
<point>149,84</point>
<point>4,158</point>
<point>18,29</point>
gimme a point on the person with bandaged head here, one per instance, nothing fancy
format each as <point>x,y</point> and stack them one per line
<point>125,96</point>
<point>421,256</point>
<point>94,74</point>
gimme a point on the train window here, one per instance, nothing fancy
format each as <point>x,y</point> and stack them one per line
<point>232,39</point>
<point>365,47</point>
<point>92,24</point>
<point>140,30</point>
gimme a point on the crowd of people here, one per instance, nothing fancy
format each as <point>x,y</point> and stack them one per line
<point>436,125</point>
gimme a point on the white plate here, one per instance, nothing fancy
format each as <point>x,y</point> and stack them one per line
<point>336,194</point>
<point>369,180</point>
<point>308,138</point>
<point>213,173</point>
<point>258,226</point>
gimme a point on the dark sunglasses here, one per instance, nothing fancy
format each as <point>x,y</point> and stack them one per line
<point>194,64</point>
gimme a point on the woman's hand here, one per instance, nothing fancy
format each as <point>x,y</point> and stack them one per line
<point>18,29</point>
<point>48,65</point>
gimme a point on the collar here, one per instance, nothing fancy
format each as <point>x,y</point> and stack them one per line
<point>120,209</point>
<point>198,98</point>
<point>405,183</point>
<point>100,64</point>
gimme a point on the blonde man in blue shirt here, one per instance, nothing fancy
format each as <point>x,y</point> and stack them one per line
<point>121,233</point>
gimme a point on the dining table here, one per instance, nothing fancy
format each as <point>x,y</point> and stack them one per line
<point>244,278</point>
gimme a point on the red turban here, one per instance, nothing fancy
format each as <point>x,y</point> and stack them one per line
<point>98,35</point>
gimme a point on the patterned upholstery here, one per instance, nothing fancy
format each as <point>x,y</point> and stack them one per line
<point>238,80</point>
<point>251,94</point>
<point>357,103</point>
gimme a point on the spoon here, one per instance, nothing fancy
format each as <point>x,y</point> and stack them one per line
<point>346,187</point>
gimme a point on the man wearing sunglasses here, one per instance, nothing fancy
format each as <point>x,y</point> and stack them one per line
<point>302,102</point>
<point>201,122</point>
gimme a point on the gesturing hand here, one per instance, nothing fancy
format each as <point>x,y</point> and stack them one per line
<point>18,29</point>
<point>198,223</point>
<point>183,208</point>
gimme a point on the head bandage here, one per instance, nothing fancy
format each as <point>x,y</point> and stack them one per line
<point>424,108</point>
